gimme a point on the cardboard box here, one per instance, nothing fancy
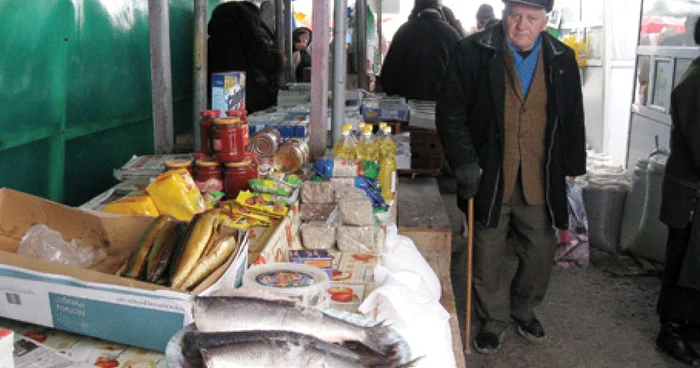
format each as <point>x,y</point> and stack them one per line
<point>313,257</point>
<point>93,301</point>
<point>272,244</point>
<point>228,91</point>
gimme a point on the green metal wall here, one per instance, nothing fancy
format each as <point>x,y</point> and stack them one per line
<point>75,91</point>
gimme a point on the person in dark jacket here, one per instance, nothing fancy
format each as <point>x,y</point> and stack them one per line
<point>453,21</point>
<point>680,289</point>
<point>510,119</point>
<point>485,17</point>
<point>418,55</point>
<point>239,40</point>
<point>301,38</point>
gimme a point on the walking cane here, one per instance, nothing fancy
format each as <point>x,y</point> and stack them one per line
<point>470,245</point>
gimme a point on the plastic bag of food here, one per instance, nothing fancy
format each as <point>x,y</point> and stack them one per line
<point>349,192</point>
<point>356,212</point>
<point>346,168</point>
<point>175,193</point>
<point>262,203</point>
<point>315,211</point>
<point>354,239</point>
<point>318,235</point>
<point>139,204</point>
<point>372,191</point>
<point>42,242</point>
<point>317,192</point>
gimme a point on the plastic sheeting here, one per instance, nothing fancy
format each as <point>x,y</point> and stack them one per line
<point>604,195</point>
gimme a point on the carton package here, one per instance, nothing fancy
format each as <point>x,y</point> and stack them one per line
<point>313,257</point>
<point>272,245</point>
<point>347,296</point>
<point>228,91</point>
<point>93,301</point>
<point>353,267</point>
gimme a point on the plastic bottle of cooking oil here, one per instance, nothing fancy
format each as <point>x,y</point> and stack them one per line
<point>387,145</point>
<point>360,129</point>
<point>380,131</point>
<point>346,146</point>
<point>367,148</point>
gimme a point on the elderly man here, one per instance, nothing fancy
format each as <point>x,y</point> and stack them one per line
<point>510,117</point>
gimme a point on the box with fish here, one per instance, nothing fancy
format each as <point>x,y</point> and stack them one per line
<point>95,301</point>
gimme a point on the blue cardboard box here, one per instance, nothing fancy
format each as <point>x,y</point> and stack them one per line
<point>228,91</point>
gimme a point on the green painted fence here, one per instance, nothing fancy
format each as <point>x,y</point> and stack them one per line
<point>75,91</point>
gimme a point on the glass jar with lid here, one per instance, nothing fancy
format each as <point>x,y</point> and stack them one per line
<point>178,163</point>
<point>228,142</point>
<point>205,129</point>
<point>208,175</point>
<point>243,115</point>
<point>236,176</point>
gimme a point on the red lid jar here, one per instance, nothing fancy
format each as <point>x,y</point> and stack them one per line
<point>228,142</point>
<point>236,176</point>
<point>205,127</point>
<point>208,175</point>
<point>243,115</point>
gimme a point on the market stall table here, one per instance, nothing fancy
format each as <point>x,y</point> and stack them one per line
<point>423,218</point>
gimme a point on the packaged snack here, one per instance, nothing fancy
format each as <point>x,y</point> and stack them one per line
<point>317,192</point>
<point>356,212</point>
<point>175,193</point>
<point>139,204</point>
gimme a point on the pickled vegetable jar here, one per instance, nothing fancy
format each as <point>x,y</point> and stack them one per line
<point>236,176</point>
<point>208,175</point>
<point>292,156</point>
<point>266,142</point>
<point>228,142</point>
<point>205,129</point>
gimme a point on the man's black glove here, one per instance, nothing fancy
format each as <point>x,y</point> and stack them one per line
<point>468,178</point>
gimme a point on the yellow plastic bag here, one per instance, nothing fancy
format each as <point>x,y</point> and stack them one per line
<point>134,205</point>
<point>175,193</point>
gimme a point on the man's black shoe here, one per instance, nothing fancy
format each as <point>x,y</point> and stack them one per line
<point>487,342</point>
<point>673,342</point>
<point>531,330</point>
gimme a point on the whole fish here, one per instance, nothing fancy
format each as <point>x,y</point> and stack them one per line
<point>285,354</point>
<point>223,248</point>
<point>247,313</point>
<point>162,251</point>
<point>137,261</point>
<point>194,245</point>
<point>193,341</point>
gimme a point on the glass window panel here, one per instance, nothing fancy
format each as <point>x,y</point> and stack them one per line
<point>662,84</point>
<point>626,26</point>
<point>642,85</point>
<point>681,66</point>
<point>668,22</point>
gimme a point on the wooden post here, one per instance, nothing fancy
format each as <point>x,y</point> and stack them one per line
<point>319,78</point>
<point>200,74</point>
<point>161,76</point>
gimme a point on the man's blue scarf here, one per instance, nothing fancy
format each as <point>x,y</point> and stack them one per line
<point>526,66</point>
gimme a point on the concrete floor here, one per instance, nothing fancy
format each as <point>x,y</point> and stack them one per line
<point>592,317</point>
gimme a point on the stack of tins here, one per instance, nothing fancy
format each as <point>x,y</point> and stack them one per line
<point>224,162</point>
<point>286,156</point>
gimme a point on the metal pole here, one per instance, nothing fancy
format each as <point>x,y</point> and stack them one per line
<point>319,81</point>
<point>200,66</point>
<point>161,76</point>
<point>340,58</point>
<point>288,47</point>
<point>361,41</point>
<point>380,18</point>
<point>279,30</point>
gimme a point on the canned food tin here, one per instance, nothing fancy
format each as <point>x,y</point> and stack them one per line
<point>292,156</point>
<point>266,142</point>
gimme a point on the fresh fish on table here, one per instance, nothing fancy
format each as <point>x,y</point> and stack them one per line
<point>246,313</point>
<point>286,354</point>
<point>193,341</point>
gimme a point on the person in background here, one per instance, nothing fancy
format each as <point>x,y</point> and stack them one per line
<point>510,119</point>
<point>267,15</point>
<point>485,17</point>
<point>679,299</point>
<point>417,58</point>
<point>453,21</point>
<point>240,41</point>
<point>301,58</point>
